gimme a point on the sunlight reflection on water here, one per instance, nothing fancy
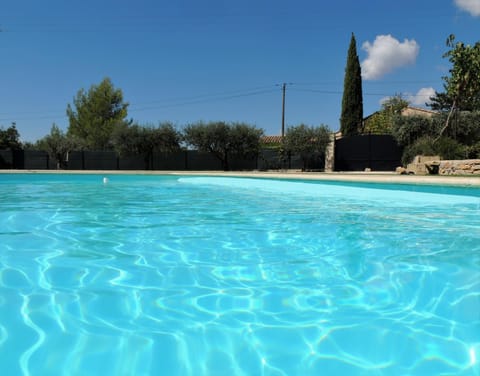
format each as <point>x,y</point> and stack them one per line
<point>205,276</point>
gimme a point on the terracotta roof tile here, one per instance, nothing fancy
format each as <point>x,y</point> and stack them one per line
<point>271,140</point>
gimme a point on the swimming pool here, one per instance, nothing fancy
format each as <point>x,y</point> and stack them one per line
<point>170,275</point>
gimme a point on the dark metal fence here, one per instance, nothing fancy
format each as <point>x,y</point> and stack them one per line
<point>356,153</point>
<point>188,160</point>
<point>377,152</point>
<point>6,159</point>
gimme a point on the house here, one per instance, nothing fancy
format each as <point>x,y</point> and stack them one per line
<point>417,111</point>
<point>271,141</point>
<point>380,121</point>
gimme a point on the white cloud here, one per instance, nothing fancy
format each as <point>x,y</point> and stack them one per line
<point>470,6</point>
<point>386,54</point>
<point>422,97</point>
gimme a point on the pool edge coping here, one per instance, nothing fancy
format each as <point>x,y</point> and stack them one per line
<point>363,177</point>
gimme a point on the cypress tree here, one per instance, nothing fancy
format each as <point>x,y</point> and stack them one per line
<point>352,101</point>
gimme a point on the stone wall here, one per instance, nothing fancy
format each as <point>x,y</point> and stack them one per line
<point>460,167</point>
<point>433,165</point>
<point>421,165</point>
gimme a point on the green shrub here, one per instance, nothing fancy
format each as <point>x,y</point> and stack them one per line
<point>422,146</point>
<point>449,148</point>
<point>407,130</point>
<point>464,126</point>
<point>473,151</point>
<point>445,147</point>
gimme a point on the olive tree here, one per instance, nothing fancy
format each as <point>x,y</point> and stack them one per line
<point>145,140</point>
<point>57,144</point>
<point>419,135</point>
<point>307,142</point>
<point>224,140</point>
<point>407,129</point>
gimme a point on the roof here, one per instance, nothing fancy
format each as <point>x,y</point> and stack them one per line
<point>417,111</point>
<point>271,139</point>
<point>408,111</point>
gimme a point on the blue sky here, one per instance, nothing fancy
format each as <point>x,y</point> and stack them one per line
<point>188,60</point>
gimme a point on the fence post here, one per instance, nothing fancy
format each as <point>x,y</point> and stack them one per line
<point>370,150</point>
<point>330,155</point>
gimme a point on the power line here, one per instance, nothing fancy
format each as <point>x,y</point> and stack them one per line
<point>366,82</point>
<point>144,106</point>
<point>339,92</point>
<point>210,95</point>
<point>202,98</point>
<point>205,100</point>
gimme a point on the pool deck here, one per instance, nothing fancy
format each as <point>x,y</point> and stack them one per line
<point>366,177</point>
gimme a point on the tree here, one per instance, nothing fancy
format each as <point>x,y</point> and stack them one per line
<point>381,121</point>
<point>352,101</point>
<point>464,126</point>
<point>97,113</point>
<point>445,147</point>
<point>245,140</point>
<point>145,140</point>
<point>462,87</point>
<point>407,129</point>
<point>10,138</point>
<point>224,140</point>
<point>57,144</point>
<point>307,142</point>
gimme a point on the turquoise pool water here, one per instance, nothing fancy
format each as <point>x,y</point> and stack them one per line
<point>150,275</point>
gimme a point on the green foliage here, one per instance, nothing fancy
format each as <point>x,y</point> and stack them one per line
<point>378,123</point>
<point>395,105</point>
<point>473,151</point>
<point>96,114</point>
<point>381,122</point>
<point>210,137</point>
<point>462,87</point>
<point>421,146</point>
<point>144,140</point>
<point>419,135</point>
<point>445,147</point>
<point>449,148</point>
<point>245,140</point>
<point>272,145</point>
<point>57,144</point>
<point>224,140</point>
<point>352,101</point>
<point>440,102</point>
<point>10,138</point>
<point>464,126</point>
<point>307,142</point>
<point>408,129</point>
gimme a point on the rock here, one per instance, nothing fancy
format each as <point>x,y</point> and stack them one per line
<point>460,167</point>
<point>419,164</point>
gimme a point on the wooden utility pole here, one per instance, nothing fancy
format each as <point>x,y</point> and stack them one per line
<point>284,86</point>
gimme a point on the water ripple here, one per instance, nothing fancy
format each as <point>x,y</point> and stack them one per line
<point>159,277</point>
